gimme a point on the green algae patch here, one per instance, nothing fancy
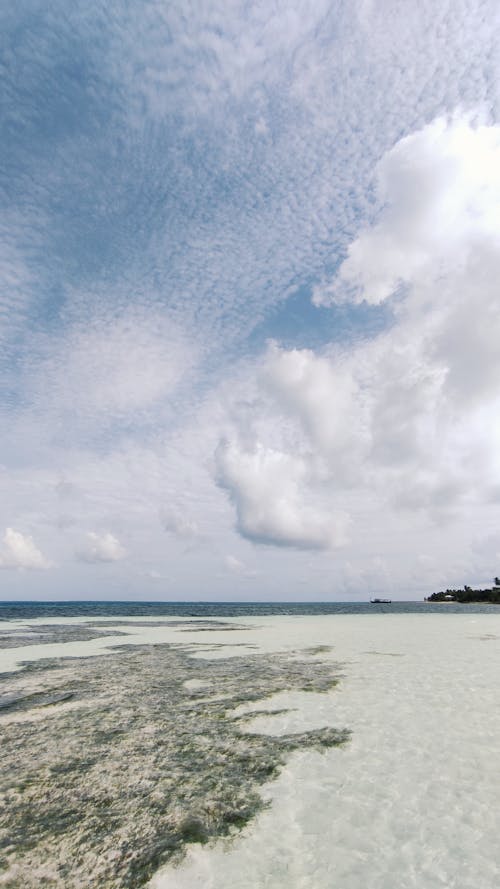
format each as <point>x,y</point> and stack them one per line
<point>47,634</point>
<point>105,793</point>
<point>317,649</point>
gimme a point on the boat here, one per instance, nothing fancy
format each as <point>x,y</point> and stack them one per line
<point>380,601</point>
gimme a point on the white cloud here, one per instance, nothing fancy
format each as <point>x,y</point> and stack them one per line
<point>101,548</point>
<point>408,420</point>
<point>323,396</point>
<point>335,93</point>
<point>440,193</point>
<point>232,173</point>
<point>19,551</point>
<point>108,369</point>
<point>269,489</point>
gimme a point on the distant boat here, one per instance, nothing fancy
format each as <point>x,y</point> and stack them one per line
<point>380,601</point>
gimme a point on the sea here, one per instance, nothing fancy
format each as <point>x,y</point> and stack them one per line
<point>91,608</point>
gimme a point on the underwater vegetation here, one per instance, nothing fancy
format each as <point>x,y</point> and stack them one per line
<point>110,765</point>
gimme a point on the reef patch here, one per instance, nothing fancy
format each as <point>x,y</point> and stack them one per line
<point>149,759</point>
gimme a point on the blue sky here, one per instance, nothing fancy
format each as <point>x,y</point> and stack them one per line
<point>241,245</point>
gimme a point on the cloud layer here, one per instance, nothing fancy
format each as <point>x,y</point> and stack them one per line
<point>176,183</point>
<point>408,420</point>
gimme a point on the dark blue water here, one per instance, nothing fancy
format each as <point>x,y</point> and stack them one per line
<point>29,610</point>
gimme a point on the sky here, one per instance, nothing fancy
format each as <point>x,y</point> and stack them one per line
<point>249,299</point>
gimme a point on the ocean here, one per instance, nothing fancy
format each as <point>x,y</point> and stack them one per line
<point>30,610</point>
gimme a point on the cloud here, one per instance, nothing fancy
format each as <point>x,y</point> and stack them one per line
<point>16,285</point>
<point>269,490</point>
<point>408,420</point>
<point>177,202</point>
<point>179,525</point>
<point>323,395</point>
<point>171,208</point>
<point>20,552</point>
<point>440,192</point>
<point>112,369</point>
<point>101,548</point>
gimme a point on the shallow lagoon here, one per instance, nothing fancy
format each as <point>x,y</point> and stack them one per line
<point>411,800</point>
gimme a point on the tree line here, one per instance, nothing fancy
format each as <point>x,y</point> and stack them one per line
<point>467,594</point>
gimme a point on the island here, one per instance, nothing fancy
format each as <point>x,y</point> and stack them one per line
<point>468,595</point>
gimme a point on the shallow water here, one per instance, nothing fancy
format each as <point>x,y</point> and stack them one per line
<point>411,802</point>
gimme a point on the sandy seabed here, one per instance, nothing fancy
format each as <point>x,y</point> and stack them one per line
<point>411,801</point>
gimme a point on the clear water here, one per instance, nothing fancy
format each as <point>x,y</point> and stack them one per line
<point>411,802</point>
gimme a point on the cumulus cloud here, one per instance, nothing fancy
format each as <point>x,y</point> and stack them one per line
<point>101,548</point>
<point>440,193</point>
<point>434,385</point>
<point>269,490</point>
<point>19,551</point>
<point>408,420</point>
<point>322,395</point>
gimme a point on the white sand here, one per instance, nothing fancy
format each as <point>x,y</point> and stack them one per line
<point>412,802</point>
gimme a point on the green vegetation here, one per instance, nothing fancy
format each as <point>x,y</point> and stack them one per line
<point>467,595</point>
